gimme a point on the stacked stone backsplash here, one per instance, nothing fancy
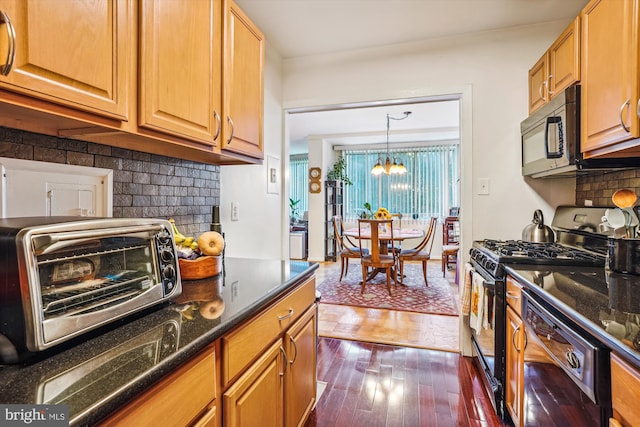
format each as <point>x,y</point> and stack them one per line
<point>600,187</point>
<point>144,185</point>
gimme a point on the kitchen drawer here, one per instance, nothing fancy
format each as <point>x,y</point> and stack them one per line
<point>514,295</point>
<point>240,347</point>
<point>625,391</point>
<point>180,397</point>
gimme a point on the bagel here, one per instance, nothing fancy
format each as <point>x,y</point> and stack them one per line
<point>211,309</point>
<point>211,243</point>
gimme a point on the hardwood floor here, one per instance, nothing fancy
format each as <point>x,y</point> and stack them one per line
<point>387,326</point>
<point>419,380</point>
<point>380,385</point>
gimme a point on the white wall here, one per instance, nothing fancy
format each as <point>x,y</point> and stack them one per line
<point>490,71</point>
<point>263,217</point>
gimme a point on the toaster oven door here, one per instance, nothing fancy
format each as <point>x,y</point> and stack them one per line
<point>81,279</point>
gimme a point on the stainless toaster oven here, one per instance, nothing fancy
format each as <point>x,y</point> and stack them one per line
<point>63,276</point>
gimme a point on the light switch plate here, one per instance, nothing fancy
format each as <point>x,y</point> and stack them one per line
<point>483,186</point>
<point>235,211</point>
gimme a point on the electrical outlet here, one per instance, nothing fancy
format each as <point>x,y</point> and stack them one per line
<point>235,211</point>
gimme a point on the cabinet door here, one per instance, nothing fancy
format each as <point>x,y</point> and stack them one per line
<point>180,54</point>
<point>243,84</point>
<point>625,391</point>
<point>538,89</point>
<point>514,367</point>
<point>70,52</point>
<point>300,384</point>
<point>256,398</point>
<point>564,59</point>
<point>609,75</point>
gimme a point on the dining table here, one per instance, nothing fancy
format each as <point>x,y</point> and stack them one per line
<point>384,237</point>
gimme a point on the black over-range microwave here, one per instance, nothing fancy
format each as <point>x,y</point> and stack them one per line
<point>551,140</point>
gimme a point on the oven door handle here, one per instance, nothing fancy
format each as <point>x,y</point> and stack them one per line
<point>46,243</point>
<point>488,283</point>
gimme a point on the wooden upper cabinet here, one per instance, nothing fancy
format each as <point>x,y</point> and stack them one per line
<point>564,59</point>
<point>69,52</point>
<point>180,66</point>
<point>243,84</point>
<point>609,77</point>
<point>538,78</point>
<point>557,69</point>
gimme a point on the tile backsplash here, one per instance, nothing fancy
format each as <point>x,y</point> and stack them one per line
<point>144,185</point>
<point>600,187</point>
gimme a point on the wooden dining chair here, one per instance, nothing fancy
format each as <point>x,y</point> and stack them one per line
<point>422,252</point>
<point>346,247</point>
<point>397,225</point>
<point>376,259</point>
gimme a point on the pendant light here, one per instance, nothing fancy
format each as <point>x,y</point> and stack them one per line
<point>390,168</point>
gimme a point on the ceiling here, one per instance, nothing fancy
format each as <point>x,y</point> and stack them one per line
<point>298,28</point>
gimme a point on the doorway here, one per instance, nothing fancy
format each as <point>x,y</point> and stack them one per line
<point>322,132</point>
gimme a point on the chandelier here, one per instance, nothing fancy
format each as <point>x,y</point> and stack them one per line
<point>390,167</point>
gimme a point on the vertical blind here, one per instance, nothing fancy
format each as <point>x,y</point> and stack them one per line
<point>298,182</point>
<point>429,188</point>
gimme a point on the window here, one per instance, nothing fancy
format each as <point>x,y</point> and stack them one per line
<point>299,180</point>
<point>428,189</point>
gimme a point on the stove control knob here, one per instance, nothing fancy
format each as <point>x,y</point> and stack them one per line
<point>572,359</point>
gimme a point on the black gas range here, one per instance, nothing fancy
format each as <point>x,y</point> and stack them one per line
<point>579,244</point>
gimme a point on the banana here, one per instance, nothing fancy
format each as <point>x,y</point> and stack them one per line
<point>188,241</point>
<point>194,246</point>
<point>178,237</point>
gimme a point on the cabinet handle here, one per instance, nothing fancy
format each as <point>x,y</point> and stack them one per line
<point>513,339</point>
<point>549,85</point>
<point>11,51</point>
<point>286,316</point>
<point>295,350</point>
<point>540,91</point>
<point>626,103</point>
<point>232,129</point>
<point>217,117</point>
<point>638,108</point>
<point>512,295</point>
<point>284,364</point>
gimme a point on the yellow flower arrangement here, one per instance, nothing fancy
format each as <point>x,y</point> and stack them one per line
<point>383,213</point>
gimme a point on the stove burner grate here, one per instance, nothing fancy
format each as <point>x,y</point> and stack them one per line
<point>520,249</point>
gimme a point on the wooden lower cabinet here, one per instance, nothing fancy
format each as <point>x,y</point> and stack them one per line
<point>193,386</point>
<point>300,376</point>
<point>625,393</point>
<point>265,370</point>
<point>279,389</point>
<point>514,389</point>
<point>256,398</point>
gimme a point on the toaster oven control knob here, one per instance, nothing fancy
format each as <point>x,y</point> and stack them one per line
<point>572,359</point>
<point>166,255</point>
<point>169,272</point>
<point>164,237</point>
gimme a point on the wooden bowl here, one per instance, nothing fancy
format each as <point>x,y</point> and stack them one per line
<point>200,268</point>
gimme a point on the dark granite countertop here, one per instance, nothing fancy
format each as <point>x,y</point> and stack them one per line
<point>104,369</point>
<point>605,304</point>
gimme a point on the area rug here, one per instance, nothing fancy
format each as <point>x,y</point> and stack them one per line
<point>413,295</point>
